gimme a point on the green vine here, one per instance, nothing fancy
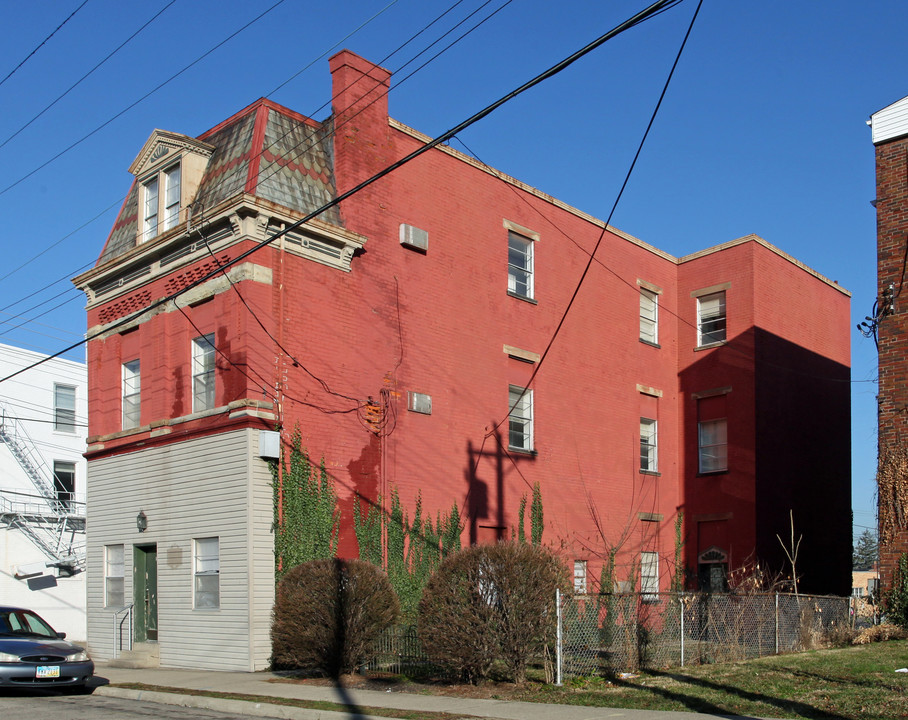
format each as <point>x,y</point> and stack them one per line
<point>897,596</point>
<point>678,579</point>
<point>536,524</point>
<point>306,517</point>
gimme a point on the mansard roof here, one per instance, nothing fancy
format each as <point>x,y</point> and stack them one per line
<point>265,150</point>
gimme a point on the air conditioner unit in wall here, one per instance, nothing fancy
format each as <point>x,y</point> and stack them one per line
<point>419,402</point>
<point>413,237</point>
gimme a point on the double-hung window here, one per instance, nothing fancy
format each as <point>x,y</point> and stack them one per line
<point>207,567</point>
<point>64,408</point>
<point>711,319</point>
<point>520,418</point>
<point>649,316</point>
<point>132,386</point>
<point>64,483</point>
<point>713,445</point>
<point>161,211</point>
<point>520,265</point>
<point>649,459</point>
<point>580,577</point>
<point>113,576</point>
<point>203,373</point>
<point>649,576</point>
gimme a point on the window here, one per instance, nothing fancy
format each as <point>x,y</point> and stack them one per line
<point>520,265</point>
<point>203,373</point>
<point>649,316</point>
<point>713,445</point>
<point>207,562</point>
<point>857,592</point>
<point>64,408</point>
<point>649,576</point>
<point>161,211</point>
<point>131,395</point>
<point>711,318</point>
<point>580,577</point>
<point>113,576</point>
<point>520,419</point>
<point>648,455</point>
<point>64,483</point>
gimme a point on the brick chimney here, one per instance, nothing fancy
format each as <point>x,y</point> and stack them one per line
<point>889,129</point>
<point>360,103</point>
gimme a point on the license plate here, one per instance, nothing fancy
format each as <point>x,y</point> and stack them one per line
<point>47,671</point>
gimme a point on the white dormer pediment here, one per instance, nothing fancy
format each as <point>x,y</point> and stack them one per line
<point>164,147</point>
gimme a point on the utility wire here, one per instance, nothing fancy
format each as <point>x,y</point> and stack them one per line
<point>86,75</point>
<point>141,99</point>
<point>476,117</point>
<point>41,44</point>
<point>608,220</point>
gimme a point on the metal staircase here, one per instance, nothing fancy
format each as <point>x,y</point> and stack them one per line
<point>55,524</point>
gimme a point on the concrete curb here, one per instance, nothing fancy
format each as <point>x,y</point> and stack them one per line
<point>239,707</point>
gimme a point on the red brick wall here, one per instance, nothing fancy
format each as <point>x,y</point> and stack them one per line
<point>892,236</point>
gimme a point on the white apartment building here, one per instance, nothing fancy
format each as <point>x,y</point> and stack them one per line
<point>43,427</point>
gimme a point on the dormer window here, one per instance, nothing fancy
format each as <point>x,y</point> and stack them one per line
<point>161,209</point>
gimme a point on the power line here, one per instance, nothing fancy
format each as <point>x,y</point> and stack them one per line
<point>430,145</point>
<point>144,97</point>
<point>42,43</point>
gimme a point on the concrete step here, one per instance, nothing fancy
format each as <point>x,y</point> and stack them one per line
<point>142,655</point>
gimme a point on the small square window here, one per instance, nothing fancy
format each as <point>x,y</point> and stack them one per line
<point>520,265</point>
<point>203,373</point>
<point>648,449</point>
<point>113,576</point>
<point>649,317</point>
<point>207,568</point>
<point>713,445</point>
<point>132,386</point>
<point>64,408</point>
<point>711,321</point>
<point>520,419</point>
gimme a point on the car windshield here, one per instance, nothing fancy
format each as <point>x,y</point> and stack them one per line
<point>24,622</point>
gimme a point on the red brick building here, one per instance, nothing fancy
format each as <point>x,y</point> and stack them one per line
<point>889,129</point>
<point>399,331</point>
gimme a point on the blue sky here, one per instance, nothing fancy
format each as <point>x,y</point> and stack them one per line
<point>762,131</point>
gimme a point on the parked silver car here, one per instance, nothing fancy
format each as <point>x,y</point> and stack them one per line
<point>33,654</point>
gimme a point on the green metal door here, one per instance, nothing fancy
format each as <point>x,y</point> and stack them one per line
<point>145,588</point>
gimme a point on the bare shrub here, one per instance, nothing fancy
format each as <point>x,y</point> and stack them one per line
<point>488,603</point>
<point>880,633</point>
<point>328,614</point>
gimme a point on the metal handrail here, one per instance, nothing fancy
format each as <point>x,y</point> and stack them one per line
<point>127,612</point>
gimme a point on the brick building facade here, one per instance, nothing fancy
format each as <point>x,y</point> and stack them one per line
<point>398,332</point>
<point>889,129</point>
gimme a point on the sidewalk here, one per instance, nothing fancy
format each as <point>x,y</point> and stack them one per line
<point>260,684</point>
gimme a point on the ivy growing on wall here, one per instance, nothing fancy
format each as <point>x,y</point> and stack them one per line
<point>306,516</point>
<point>536,522</point>
<point>409,551</point>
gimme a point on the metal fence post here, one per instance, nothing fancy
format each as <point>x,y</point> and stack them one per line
<point>777,623</point>
<point>681,604</point>
<point>558,641</point>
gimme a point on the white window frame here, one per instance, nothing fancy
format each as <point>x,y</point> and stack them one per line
<point>520,418</point>
<point>712,445</point>
<point>65,408</point>
<point>520,265</point>
<point>712,320</point>
<point>160,201</point>
<point>649,447</point>
<point>64,496</point>
<point>649,576</point>
<point>649,316</point>
<point>580,577</point>
<point>206,569</point>
<point>114,576</point>
<point>132,394</point>
<point>203,356</point>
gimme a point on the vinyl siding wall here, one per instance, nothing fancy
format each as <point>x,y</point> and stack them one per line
<point>215,486</point>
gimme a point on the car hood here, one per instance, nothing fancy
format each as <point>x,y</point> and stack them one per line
<point>37,646</point>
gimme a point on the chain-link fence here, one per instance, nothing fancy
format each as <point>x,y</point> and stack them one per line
<point>605,634</point>
<point>611,633</point>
